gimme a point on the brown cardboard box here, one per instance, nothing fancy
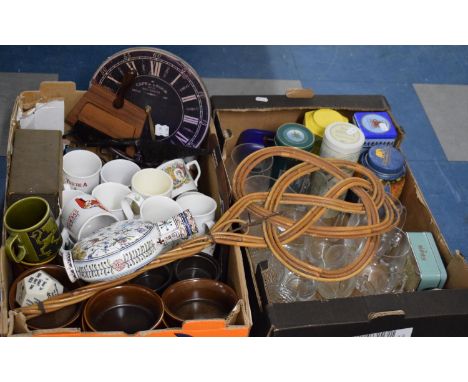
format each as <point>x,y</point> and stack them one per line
<point>355,315</point>
<point>36,167</point>
<point>212,184</point>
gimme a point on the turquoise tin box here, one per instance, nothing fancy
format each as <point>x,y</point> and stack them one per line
<point>427,261</point>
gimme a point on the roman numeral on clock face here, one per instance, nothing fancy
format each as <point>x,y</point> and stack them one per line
<point>155,68</point>
<point>131,65</point>
<point>191,120</point>
<point>189,98</point>
<point>182,138</point>
<point>114,80</point>
<point>175,80</point>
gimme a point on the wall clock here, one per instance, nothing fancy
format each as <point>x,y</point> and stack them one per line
<point>179,102</point>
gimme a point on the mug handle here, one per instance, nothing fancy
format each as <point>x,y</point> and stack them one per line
<point>69,266</point>
<point>11,252</point>
<point>66,241</point>
<point>211,248</point>
<point>128,201</point>
<point>195,163</point>
<point>208,225</point>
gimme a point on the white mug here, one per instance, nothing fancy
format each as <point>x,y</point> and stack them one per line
<point>180,174</point>
<point>202,207</point>
<point>111,194</point>
<point>119,171</point>
<point>84,215</point>
<point>68,194</point>
<point>159,208</point>
<point>81,170</point>
<point>145,183</point>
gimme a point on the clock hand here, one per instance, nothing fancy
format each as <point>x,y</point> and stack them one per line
<point>150,121</point>
<point>127,81</point>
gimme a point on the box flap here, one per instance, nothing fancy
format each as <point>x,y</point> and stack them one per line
<point>429,313</point>
<point>339,102</point>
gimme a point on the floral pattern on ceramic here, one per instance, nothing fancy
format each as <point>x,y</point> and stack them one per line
<point>125,247</point>
<point>112,239</point>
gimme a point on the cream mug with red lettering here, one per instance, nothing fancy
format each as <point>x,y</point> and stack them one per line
<point>84,215</point>
<point>81,170</point>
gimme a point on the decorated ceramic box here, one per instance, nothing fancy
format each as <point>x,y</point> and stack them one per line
<point>124,247</point>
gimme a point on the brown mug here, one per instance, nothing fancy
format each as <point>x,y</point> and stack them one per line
<point>195,299</point>
<point>59,319</point>
<point>124,308</point>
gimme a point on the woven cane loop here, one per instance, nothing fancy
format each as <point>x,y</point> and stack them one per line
<point>265,205</point>
<point>367,187</point>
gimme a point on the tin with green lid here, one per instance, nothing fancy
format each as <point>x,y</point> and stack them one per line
<point>291,135</point>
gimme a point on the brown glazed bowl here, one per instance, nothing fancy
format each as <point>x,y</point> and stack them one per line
<point>194,299</point>
<point>124,308</point>
<point>60,318</point>
<point>157,279</point>
<point>199,266</point>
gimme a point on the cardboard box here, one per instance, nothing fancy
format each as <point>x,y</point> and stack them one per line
<point>437,312</point>
<point>37,167</point>
<point>238,325</point>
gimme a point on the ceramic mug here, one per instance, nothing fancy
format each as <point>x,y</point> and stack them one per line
<point>84,215</point>
<point>68,195</point>
<point>111,194</point>
<point>145,183</point>
<point>34,236</point>
<point>159,208</point>
<point>203,209</point>
<point>119,171</point>
<point>180,174</point>
<point>81,170</point>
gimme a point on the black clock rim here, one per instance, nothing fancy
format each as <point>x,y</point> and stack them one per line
<point>171,55</point>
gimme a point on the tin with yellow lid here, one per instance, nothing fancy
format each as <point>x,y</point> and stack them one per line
<point>317,120</point>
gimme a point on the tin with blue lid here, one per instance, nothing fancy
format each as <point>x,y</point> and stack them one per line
<point>260,137</point>
<point>377,127</point>
<point>389,165</point>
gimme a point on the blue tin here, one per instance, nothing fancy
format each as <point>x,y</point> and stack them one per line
<point>430,268</point>
<point>377,127</point>
<point>263,138</point>
<point>386,162</point>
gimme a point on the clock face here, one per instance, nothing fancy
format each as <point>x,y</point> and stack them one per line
<point>180,107</point>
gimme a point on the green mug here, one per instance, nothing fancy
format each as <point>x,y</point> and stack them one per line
<point>33,233</point>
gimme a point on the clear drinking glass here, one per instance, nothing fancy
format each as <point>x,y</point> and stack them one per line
<point>337,256</point>
<point>242,151</point>
<point>387,271</point>
<point>284,286</point>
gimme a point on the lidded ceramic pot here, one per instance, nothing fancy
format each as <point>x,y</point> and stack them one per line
<point>124,247</point>
<point>342,140</point>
